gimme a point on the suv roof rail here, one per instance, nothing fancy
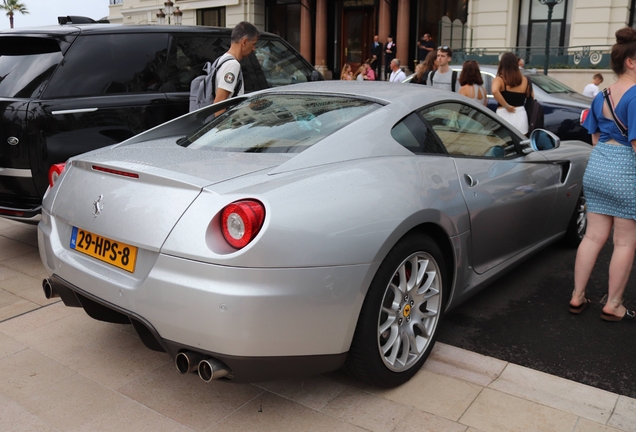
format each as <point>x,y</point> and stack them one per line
<point>80,20</point>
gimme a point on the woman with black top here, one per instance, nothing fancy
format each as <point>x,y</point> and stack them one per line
<point>509,90</point>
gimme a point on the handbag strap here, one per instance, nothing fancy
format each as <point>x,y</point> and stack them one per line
<point>607,95</point>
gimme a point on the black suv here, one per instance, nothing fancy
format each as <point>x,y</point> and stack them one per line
<point>69,89</point>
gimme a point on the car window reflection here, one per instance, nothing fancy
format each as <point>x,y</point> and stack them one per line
<point>278,123</point>
<point>465,131</point>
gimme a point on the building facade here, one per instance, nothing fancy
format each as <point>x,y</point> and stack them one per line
<point>330,33</point>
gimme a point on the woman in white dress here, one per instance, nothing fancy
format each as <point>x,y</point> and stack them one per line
<point>509,89</point>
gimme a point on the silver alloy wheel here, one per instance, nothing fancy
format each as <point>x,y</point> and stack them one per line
<point>410,311</point>
<point>581,216</point>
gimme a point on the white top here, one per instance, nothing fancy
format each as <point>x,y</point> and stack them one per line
<point>590,90</point>
<point>227,75</point>
<point>397,76</point>
<point>479,93</point>
<point>360,77</point>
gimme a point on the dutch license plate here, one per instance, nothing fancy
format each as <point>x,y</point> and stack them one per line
<point>119,254</point>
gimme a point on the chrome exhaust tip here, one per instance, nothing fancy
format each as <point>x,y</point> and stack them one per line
<point>49,290</point>
<point>211,369</point>
<point>188,361</point>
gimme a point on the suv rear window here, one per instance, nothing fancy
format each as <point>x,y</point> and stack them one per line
<point>26,64</point>
<point>110,64</point>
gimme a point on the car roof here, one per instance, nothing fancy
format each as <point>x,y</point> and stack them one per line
<point>410,95</point>
<point>98,28</point>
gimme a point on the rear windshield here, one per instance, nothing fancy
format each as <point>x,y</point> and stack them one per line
<point>278,123</point>
<point>550,85</point>
<point>26,64</point>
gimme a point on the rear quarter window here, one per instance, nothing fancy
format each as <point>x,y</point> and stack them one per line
<point>111,64</point>
<point>26,65</point>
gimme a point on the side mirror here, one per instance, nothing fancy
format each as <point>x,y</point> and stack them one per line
<point>541,139</point>
<point>316,76</point>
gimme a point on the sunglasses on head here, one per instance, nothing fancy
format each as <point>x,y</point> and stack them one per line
<point>445,47</point>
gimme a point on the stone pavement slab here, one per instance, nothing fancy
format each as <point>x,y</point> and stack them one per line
<point>63,371</point>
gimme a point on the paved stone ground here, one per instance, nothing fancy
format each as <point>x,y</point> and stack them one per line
<point>61,370</point>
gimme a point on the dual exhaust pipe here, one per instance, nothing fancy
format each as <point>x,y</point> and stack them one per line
<point>207,367</point>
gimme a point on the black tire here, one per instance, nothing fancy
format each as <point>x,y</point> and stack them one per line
<point>578,223</point>
<point>379,356</point>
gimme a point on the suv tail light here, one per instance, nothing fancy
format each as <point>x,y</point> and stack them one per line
<point>584,114</point>
<point>241,221</point>
<point>54,172</point>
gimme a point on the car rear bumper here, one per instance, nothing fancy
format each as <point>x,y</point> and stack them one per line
<point>267,316</point>
<point>243,369</point>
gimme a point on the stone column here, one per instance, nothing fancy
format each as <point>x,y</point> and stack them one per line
<point>384,28</point>
<point>321,39</point>
<point>305,30</point>
<point>402,37</point>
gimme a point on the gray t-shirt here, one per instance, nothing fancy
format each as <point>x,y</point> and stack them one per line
<point>442,81</point>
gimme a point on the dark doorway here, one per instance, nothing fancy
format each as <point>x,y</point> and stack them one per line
<point>357,34</point>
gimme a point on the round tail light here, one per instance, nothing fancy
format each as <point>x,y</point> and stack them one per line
<point>241,221</point>
<point>54,172</point>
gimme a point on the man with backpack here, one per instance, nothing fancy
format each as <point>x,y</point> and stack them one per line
<point>443,78</point>
<point>224,78</point>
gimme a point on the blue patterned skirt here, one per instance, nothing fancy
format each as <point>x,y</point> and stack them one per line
<point>609,182</point>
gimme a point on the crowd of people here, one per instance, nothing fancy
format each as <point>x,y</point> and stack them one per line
<point>610,177</point>
<point>510,88</point>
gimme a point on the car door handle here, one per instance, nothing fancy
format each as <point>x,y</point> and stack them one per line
<point>471,181</point>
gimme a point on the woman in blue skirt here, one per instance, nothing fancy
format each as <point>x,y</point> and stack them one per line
<point>609,183</point>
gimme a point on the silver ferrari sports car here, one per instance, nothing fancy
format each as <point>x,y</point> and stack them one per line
<point>300,229</point>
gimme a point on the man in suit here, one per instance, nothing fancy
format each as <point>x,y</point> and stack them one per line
<point>389,54</point>
<point>376,56</point>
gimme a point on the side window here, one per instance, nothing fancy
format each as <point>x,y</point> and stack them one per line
<point>188,55</point>
<point>26,64</point>
<point>281,64</point>
<point>111,64</point>
<point>465,131</point>
<point>416,136</point>
<point>253,74</point>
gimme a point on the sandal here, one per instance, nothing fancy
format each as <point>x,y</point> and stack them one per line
<point>629,315</point>
<point>580,308</point>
